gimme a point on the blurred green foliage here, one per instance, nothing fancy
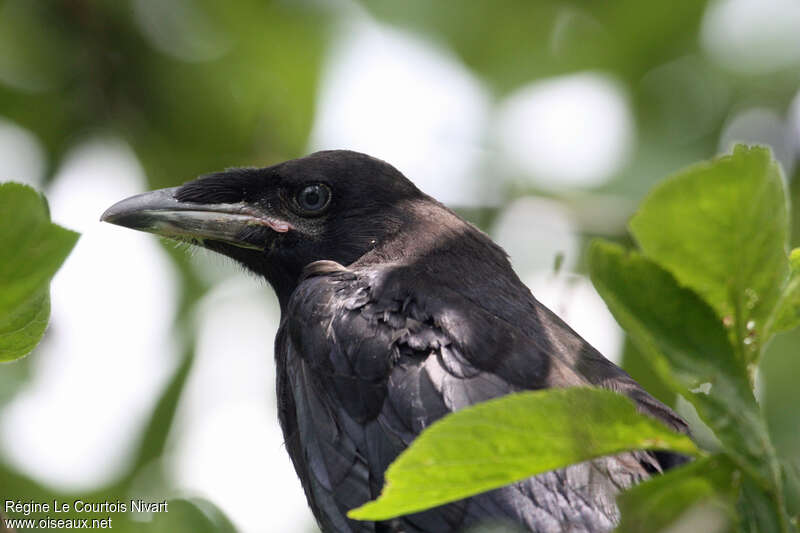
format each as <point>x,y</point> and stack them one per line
<point>681,97</point>
<point>626,37</point>
<point>228,84</point>
<point>76,67</point>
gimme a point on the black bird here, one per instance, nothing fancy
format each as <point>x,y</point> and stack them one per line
<point>394,312</point>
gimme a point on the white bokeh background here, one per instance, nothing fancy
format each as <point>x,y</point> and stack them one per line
<point>407,101</point>
<point>574,130</point>
<point>396,96</point>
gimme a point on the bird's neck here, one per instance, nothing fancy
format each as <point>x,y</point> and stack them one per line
<point>439,244</point>
<point>425,237</point>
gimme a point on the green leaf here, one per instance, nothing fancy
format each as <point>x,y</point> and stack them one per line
<point>662,317</point>
<point>23,325</point>
<point>787,312</point>
<point>31,251</point>
<point>704,486</point>
<point>687,346</point>
<point>512,438</point>
<point>720,228</point>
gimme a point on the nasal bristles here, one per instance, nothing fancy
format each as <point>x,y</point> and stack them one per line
<point>227,187</point>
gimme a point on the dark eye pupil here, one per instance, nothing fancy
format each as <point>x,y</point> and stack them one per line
<point>313,197</point>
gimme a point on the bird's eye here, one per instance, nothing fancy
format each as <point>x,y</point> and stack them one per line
<point>313,198</point>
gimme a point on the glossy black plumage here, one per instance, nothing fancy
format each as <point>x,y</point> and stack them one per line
<point>396,312</point>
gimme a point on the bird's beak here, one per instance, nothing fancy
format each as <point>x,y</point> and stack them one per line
<point>161,213</point>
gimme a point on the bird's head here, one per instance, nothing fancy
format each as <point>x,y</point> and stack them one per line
<point>334,205</point>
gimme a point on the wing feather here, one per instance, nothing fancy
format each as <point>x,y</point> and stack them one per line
<point>370,365</point>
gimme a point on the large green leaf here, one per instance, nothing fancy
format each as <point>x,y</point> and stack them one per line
<point>688,347</point>
<point>31,250</point>
<point>720,228</point>
<point>707,485</point>
<point>511,438</point>
<point>663,317</point>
